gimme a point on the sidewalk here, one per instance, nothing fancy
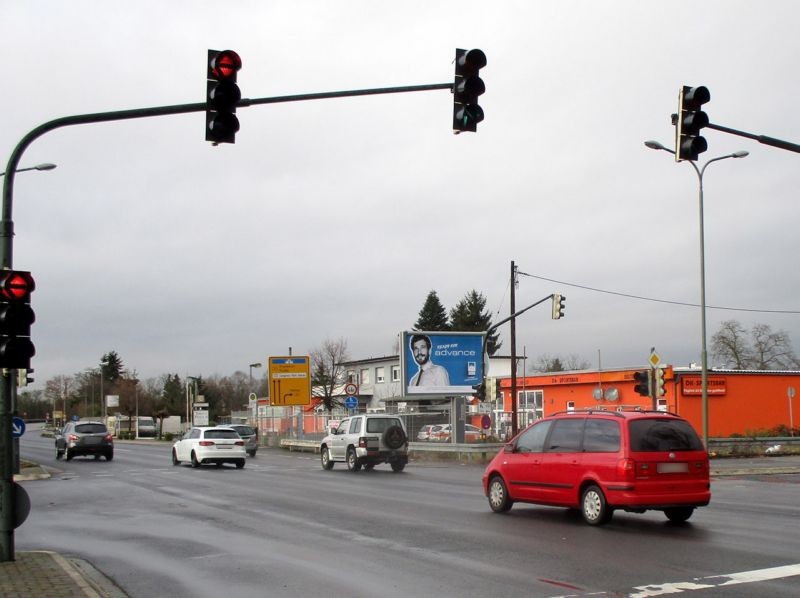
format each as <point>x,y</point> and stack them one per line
<point>44,573</point>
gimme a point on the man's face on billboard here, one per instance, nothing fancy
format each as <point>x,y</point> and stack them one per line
<point>421,352</point>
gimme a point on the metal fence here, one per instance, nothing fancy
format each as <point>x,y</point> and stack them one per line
<point>276,423</point>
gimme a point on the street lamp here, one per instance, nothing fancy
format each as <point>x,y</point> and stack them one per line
<point>253,365</point>
<point>44,166</point>
<point>703,352</point>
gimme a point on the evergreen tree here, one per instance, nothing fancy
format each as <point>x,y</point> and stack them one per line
<point>469,315</point>
<point>111,364</point>
<point>174,395</point>
<point>432,316</point>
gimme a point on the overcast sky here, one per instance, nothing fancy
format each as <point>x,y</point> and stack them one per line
<point>335,218</point>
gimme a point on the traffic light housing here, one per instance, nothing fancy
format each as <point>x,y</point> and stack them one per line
<point>558,306</point>
<point>491,388</point>
<point>24,378</point>
<point>480,391</point>
<point>689,144</point>
<point>222,95</point>
<point>467,87</point>
<point>642,379</point>
<point>660,388</point>
<point>16,317</point>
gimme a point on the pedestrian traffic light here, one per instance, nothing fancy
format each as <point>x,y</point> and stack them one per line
<point>480,391</point>
<point>558,306</point>
<point>691,120</point>
<point>222,95</point>
<point>16,317</point>
<point>24,377</point>
<point>659,383</point>
<point>491,388</point>
<point>466,89</point>
<point>642,379</point>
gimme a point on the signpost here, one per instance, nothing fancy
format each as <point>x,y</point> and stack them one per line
<point>290,381</point>
<point>790,393</point>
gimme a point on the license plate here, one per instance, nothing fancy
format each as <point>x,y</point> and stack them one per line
<point>672,467</point>
<point>91,440</point>
<point>224,446</point>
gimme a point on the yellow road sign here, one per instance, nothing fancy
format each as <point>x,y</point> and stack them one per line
<point>289,381</point>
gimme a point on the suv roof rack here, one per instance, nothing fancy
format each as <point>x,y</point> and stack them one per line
<point>617,410</point>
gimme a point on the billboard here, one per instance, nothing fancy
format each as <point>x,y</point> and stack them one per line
<point>441,363</point>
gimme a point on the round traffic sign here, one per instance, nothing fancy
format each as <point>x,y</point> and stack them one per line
<point>350,389</point>
<point>17,427</point>
<point>486,421</point>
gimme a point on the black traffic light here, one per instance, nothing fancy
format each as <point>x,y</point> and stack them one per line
<point>222,95</point>
<point>660,389</point>
<point>691,120</point>
<point>558,306</point>
<point>24,377</point>
<point>642,379</point>
<point>466,89</point>
<point>480,391</point>
<point>16,317</point>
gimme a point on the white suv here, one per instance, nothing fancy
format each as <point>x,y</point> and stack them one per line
<point>366,440</point>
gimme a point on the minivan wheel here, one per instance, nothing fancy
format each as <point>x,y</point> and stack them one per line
<point>398,466</point>
<point>594,507</point>
<point>678,514</point>
<point>352,460</point>
<point>499,500</point>
<point>325,459</point>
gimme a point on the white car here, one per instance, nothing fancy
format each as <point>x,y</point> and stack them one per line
<point>216,445</point>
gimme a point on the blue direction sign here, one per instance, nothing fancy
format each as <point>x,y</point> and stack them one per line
<point>351,402</point>
<point>17,427</point>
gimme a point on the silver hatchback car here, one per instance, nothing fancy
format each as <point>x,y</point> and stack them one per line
<point>250,436</point>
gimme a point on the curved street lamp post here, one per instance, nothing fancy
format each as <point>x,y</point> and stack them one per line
<point>703,351</point>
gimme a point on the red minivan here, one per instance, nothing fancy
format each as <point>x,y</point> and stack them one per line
<point>601,461</point>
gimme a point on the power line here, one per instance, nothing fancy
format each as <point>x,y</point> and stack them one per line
<point>641,298</point>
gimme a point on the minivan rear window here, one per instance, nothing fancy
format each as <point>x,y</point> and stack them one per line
<point>654,435</point>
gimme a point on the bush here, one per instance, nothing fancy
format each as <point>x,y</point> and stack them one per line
<point>168,436</point>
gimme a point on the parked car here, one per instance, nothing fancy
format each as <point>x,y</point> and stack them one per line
<point>602,461</point>
<point>443,432</point>
<point>250,436</point>
<point>146,427</point>
<point>424,433</point>
<point>84,438</point>
<point>366,440</point>
<point>201,445</point>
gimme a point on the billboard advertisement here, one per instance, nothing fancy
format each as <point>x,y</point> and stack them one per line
<point>441,363</point>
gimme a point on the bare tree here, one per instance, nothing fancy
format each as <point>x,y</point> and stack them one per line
<point>559,363</point>
<point>763,350</point>
<point>327,372</point>
<point>772,350</point>
<point>730,345</point>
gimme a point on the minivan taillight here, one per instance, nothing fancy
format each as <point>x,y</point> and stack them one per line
<point>206,443</point>
<point>626,468</point>
<point>72,438</point>
<point>109,438</point>
<point>362,442</point>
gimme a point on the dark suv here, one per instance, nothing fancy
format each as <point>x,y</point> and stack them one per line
<point>84,438</point>
<point>600,461</point>
<point>250,436</point>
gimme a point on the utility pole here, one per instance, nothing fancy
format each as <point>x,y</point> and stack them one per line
<point>514,426</point>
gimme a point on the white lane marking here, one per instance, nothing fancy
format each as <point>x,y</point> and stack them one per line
<point>717,581</point>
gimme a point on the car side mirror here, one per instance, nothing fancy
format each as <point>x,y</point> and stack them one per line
<point>509,448</point>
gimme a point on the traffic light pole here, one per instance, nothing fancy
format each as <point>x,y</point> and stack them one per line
<point>7,380</point>
<point>512,319</point>
<point>792,147</point>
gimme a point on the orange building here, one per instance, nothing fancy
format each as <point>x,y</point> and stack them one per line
<point>739,401</point>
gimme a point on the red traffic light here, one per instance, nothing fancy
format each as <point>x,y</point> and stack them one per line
<point>16,285</point>
<point>224,65</point>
